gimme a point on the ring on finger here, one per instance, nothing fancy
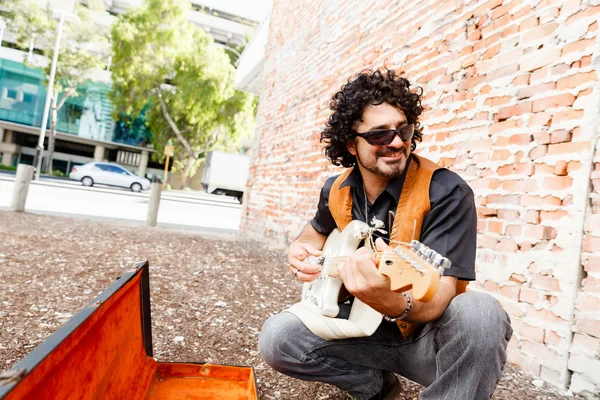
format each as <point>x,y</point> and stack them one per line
<point>296,273</point>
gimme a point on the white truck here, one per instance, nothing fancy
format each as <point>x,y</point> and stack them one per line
<point>225,174</point>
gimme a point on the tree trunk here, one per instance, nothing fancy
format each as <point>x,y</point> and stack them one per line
<point>186,171</point>
<point>192,155</point>
<point>52,136</point>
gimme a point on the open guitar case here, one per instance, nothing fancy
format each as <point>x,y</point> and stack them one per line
<point>105,352</point>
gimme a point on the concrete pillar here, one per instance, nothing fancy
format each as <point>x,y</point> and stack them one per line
<point>7,158</point>
<point>8,151</point>
<point>1,134</point>
<point>99,153</point>
<point>22,180</point>
<point>153,204</point>
<point>143,164</point>
<point>8,136</point>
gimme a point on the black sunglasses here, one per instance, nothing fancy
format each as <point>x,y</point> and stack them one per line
<point>383,137</point>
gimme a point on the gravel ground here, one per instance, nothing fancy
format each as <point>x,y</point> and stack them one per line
<point>210,295</point>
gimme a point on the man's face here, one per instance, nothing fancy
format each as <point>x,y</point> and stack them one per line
<point>384,161</point>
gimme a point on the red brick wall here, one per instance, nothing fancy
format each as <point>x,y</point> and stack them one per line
<point>513,100</point>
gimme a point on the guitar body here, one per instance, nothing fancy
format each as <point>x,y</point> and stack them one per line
<point>417,268</point>
<point>324,291</point>
<point>319,305</point>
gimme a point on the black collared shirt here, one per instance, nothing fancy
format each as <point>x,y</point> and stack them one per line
<point>450,227</point>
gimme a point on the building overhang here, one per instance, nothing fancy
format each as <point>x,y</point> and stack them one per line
<point>73,138</point>
<point>249,74</point>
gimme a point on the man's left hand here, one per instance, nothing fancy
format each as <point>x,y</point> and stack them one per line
<point>362,278</point>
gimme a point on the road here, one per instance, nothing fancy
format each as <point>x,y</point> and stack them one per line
<point>178,209</point>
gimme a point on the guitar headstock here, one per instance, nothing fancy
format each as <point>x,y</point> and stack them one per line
<point>418,268</point>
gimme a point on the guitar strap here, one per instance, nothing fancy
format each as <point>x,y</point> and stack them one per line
<point>413,205</point>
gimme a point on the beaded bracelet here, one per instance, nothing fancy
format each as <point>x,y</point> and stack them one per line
<point>409,305</point>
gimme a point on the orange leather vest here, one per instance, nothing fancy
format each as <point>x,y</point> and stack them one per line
<point>413,205</point>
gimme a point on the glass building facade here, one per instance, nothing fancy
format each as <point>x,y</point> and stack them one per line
<point>87,114</point>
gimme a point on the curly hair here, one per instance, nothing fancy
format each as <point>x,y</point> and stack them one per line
<point>368,87</point>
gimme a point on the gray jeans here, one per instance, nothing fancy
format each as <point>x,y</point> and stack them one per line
<point>459,356</point>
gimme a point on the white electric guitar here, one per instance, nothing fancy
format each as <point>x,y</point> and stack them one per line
<point>414,266</point>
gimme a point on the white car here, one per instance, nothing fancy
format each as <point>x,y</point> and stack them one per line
<point>108,174</point>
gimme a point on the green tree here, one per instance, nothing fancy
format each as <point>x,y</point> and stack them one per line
<point>164,62</point>
<point>84,49</point>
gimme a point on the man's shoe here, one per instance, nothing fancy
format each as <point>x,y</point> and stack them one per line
<point>390,388</point>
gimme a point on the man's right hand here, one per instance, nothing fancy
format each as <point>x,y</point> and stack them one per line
<point>298,252</point>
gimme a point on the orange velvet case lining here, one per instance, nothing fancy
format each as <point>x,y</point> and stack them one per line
<point>105,352</point>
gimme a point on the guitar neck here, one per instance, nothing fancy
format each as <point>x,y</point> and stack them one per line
<point>332,264</point>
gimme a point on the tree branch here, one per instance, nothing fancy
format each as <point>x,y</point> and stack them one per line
<point>66,95</point>
<point>175,129</point>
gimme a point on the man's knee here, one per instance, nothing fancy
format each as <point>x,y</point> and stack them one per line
<point>275,341</point>
<point>480,319</point>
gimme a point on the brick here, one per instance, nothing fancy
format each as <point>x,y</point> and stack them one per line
<point>529,23</point>
<point>524,168</point>
<point>567,115</point>
<point>538,201</point>
<point>526,363</point>
<point>592,285</point>
<point>529,296</point>
<point>502,126</point>
<point>485,8</point>
<point>568,148</point>
<point>537,152</point>
<point>491,287</point>
<point>589,326</point>
<point>558,182</point>
<point>508,215</point>
<point>539,59</point>
<point>502,72</point>
<point>537,231</point>
<point>530,332</point>
<point>539,74</point>
<point>560,168</point>
<point>487,242</point>
<point>585,13</point>
<point>588,303</point>
<point>591,244</point>
<point>585,344</point>
<point>511,292</point>
<point>504,199</point>
<point>532,217</point>
<point>543,316</point>
<point>542,137</point>
<point>505,170</point>
<point>575,80</point>
<point>513,111</point>
<point>514,230</point>
<point>508,245</point>
<point>519,278</point>
<point>546,283</point>
<point>551,337</point>
<point>536,89</point>
<point>561,100</point>
<point>540,32</point>
<point>560,136</point>
<point>552,215</point>
<point>500,155</point>
<point>497,101</point>
<point>582,46</point>
<point>540,119</point>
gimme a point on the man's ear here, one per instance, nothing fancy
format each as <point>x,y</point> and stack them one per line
<point>351,146</point>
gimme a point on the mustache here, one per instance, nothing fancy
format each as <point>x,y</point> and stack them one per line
<point>390,150</point>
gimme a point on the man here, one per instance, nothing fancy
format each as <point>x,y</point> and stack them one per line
<point>458,348</point>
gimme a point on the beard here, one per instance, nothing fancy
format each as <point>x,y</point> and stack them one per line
<point>391,170</point>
